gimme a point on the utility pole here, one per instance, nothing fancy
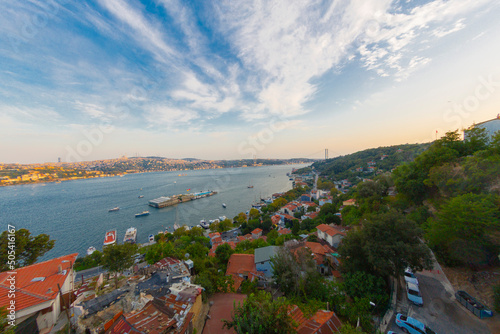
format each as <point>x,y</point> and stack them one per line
<point>326,154</point>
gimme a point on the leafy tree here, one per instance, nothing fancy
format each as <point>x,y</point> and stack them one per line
<point>223,253</point>
<point>4,322</point>
<point>267,224</point>
<point>476,139</point>
<point>459,233</point>
<point>253,214</point>
<point>386,245</point>
<point>240,218</point>
<point>28,248</point>
<point>271,236</point>
<point>350,215</point>
<point>361,284</point>
<point>293,271</point>
<point>117,258</point>
<point>261,314</point>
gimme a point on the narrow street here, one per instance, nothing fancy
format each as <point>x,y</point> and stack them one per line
<point>441,311</point>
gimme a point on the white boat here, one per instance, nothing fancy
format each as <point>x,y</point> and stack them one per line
<point>114,209</point>
<point>130,235</point>
<point>90,250</point>
<point>152,237</point>
<point>204,224</point>
<point>176,226</point>
<point>222,218</point>
<point>224,205</point>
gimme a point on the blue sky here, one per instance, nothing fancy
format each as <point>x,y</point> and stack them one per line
<point>230,80</point>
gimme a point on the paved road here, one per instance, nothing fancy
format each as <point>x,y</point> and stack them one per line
<point>441,312</point>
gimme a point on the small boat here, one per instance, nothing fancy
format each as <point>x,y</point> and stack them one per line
<point>224,205</point>
<point>143,213</point>
<point>130,235</point>
<point>152,237</point>
<point>114,209</point>
<point>204,224</point>
<point>141,196</point>
<point>90,250</point>
<point>110,238</point>
<point>176,226</point>
<point>222,218</point>
<point>250,186</point>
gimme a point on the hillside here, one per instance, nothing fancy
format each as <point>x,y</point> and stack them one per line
<point>384,158</point>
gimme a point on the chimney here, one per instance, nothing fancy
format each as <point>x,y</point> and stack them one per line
<point>59,269</point>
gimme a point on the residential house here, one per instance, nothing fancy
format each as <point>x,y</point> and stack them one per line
<point>37,294</point>
<point>263,257</point>
<point>323,201</point>
<point>322,322</point>
<point>330,234</point>
<point>371,163</point>
<point>242,267</point>
<point>351,201</point>
<point>257,233</point>
<point>305,198</point>
<point>284,231</point>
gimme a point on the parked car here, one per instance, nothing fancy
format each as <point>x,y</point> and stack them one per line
<point>411,325</point>
<point>410,276</point>
<point>413,294</point>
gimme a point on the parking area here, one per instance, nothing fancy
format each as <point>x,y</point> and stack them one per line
<point>441,312</point>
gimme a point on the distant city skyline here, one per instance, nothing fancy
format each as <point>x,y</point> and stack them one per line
<point>217,80</point>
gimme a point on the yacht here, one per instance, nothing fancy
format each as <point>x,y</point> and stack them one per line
<point>130,235</point>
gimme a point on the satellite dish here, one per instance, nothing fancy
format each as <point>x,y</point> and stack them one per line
<point>186,255</point>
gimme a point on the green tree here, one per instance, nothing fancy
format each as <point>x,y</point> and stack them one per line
<point>117,258</point>
<point>459,233</point>
<point>386,245</point>
<point>4,322</point>
<point>27,248</point>
<point>253,214</point>
<point>240,218</point>
<point>223,253</point>
<point>261,314</point>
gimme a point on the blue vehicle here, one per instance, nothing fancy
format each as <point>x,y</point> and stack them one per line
<point>412,326</point>
<point>413,294</point>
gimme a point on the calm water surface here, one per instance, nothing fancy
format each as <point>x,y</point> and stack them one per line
<point>75,213</point>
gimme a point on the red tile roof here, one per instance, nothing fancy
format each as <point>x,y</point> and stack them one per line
<point>213,234</point>
<point>329,230</point>
<point>241,264</point>
<point>257,231</point>
<point>166,262</point>
<point>284,231</point>
<point>324,322</point>
<point>29,293</point>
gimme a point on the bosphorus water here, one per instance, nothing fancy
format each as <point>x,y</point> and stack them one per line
<point>75,213</point>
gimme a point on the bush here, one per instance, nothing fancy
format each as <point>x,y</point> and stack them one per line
<point>496,297</point>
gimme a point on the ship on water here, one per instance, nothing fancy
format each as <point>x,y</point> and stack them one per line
<point>143,213</point>
<point>110,238</point>
<point>114,209</point>
<point>91,250</point>
<point>130,235</point>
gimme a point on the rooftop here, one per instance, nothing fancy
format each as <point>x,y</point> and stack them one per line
<point>37,283</point>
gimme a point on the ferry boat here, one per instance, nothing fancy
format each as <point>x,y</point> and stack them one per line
<point>143,213</point>
<point>130,235</point>
<point>152,237</point>
<point>114,209</point>
<point>90,250</point>
<point>110,238</point>
<point>224,205</point>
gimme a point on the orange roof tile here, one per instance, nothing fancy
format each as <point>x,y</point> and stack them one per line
<point>329,230</point>
<point>257,231</point>
<point>29,293</point>
<point>240,264</point>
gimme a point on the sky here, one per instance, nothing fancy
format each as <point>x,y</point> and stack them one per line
<point>88,80</point>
